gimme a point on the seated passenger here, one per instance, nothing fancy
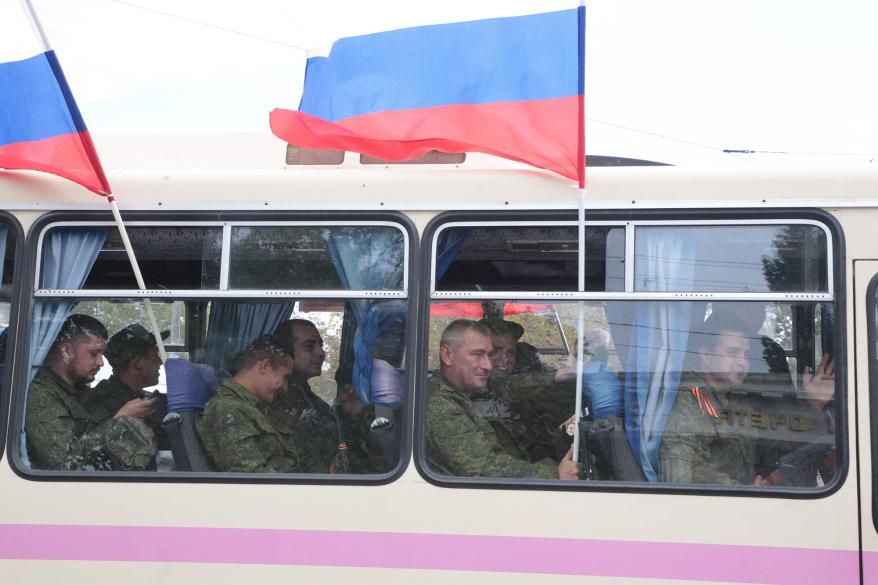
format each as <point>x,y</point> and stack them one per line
<point>60,432</point>
<point>525,406</point>
<point>133,354</point>
<point>459,440</point>
<point>710,437</point>
<point>234,427</point>
<point>299,412</point>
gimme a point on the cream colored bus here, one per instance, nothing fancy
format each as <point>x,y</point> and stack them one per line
<point>233,239</point>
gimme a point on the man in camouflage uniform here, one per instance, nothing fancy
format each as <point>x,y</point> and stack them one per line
<point>234,427</point>
<point>134,357</point>
<point>61,434</point>
<point>525,404</point>
<point>708,440</point>
<point>718,434</point>
<point>299,412</point>
<point>459,440</point>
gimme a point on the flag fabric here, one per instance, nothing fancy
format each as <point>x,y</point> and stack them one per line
<point>511,87</point>
<point>41,128</point>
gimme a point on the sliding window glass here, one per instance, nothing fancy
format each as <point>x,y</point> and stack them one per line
<point>258,350</point>
<point>709,355</point>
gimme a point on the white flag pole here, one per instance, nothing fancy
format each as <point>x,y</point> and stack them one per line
<point>141,285</point>
<point>41,34</point>
<point>580,325</point>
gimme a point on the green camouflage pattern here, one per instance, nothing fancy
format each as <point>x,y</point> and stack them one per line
<point>108,396</point>
<point>62,435</point>
<point>463,443</point>
<point>237,435</point>
<point>699,448</point>
<point>308,422</point>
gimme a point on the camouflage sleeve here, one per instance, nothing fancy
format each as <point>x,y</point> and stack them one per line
<point>685,455</point>
<point>230,439</point>
<point>468,449</point>
<point>51,434</point>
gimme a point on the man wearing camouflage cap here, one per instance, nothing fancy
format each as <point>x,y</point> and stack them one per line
<point>61,434</point>
<point>133,355</point>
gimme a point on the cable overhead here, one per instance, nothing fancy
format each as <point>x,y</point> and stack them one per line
<point>208,25</point>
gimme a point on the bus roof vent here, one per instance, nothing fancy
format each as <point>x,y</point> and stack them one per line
<point>434,157</point>
<point>304,156</point>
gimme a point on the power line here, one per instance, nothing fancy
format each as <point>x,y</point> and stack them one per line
<point>208,25</point>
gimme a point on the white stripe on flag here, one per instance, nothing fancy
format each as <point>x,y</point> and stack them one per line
<point>20,37</point>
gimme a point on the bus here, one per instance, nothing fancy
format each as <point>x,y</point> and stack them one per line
<point>238,233</point>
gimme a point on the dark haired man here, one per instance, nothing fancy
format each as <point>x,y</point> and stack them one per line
<point>234,426</point>
<point>299,412</point>
<point>61,434</point>
<point>706,441</point>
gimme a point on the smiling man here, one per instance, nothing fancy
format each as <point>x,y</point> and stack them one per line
<point>460,441</point>
<point>710,437</point>
<point>61,434</point>
<point>234,426</point>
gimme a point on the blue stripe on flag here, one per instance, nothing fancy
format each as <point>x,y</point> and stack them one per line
<point>459,63</point>
<point>35,101</point>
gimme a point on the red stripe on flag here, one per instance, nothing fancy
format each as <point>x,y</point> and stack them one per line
<point>550,126</point>
<point>70,156</point>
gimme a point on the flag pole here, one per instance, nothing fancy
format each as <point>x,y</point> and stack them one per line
<point>105,190</point>
<point>141,285</point>
<point>580,325</point>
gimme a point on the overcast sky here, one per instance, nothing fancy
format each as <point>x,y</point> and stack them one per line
<point>672,79</point>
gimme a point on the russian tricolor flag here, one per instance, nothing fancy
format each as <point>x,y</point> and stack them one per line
<point>40,126</point>
<point>511,87</point>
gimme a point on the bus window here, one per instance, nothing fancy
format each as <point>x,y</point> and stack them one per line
<point>8,248</point>
<point>255,380</point>
<point>692,389</point>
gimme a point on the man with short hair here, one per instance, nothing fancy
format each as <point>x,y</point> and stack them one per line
<point>299,412</point>
<point>234,427</point>
<point>459,440</point>
<point>133,355</point>
<point>61,434</point>
<point>706,440</point>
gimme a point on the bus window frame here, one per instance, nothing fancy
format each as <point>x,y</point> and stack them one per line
<point>872,339</point>
<point>27,280</point>
<point>837,270</point>
<point>11,335</point>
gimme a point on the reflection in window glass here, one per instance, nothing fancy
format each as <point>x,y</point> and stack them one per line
<point>528,258</point>
<point>680,392</point>
<point>736,258</point>
<point>183,258</point>
<point>338,408</point>
<point>317,258</point>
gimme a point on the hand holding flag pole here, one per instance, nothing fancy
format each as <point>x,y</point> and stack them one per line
<point>41,128</point>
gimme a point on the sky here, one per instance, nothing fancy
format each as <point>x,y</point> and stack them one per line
<point>672,80</point>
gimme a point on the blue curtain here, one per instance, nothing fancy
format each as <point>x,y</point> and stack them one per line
<point>652,338</point>
<point>234,324</point>
<point>367,258</point>
<point>68,257</point>
<point>448,244</point>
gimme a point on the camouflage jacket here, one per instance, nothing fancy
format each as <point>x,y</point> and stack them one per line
<point>310,423</point>
<point>708,440</point>
<point>461,442</point>
<point>356,433</point>
<point>237,435</point>
<point>526,410</point>
<point>108,396</point>
<point>62,435</point>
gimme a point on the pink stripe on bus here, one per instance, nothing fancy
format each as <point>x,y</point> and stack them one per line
<point>397,550</point>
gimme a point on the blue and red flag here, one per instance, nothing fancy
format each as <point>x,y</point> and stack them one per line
<point>40,126</point>
<point>511,87</point>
